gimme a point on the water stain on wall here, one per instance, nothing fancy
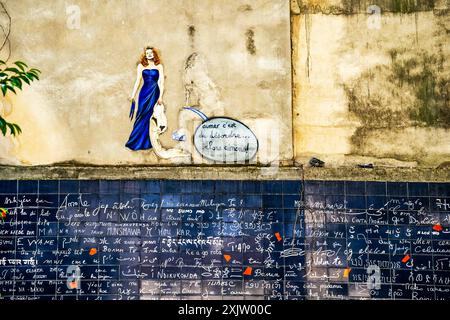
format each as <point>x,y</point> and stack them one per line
<point>387,85</point>
<point>412,90</point>
<point>349,7</point>
<point>250,41</point>
<point>245,7</point>
<point>191,33</point>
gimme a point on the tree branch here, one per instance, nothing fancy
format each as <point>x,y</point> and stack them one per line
<point>7,32</point>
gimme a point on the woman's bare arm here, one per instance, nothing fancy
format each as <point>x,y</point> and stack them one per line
<point>161,84</point>
<point>137,82</point>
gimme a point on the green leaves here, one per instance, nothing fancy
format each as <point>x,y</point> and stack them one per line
<point>15,70</point>
<point>21,65</point>
<point>13,128</point>
<point>12,79</point>
<point>17,82</point>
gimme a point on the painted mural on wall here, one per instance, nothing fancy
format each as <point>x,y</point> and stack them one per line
<point>226,140</point>
<point>220,139</point>
<point>208,67</point>
<point>150,120</point>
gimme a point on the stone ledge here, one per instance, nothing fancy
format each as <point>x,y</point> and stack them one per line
<point>87,172</point>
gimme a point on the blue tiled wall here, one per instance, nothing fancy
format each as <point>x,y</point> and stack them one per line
<point>224,239</point>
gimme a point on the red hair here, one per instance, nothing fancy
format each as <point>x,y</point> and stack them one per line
<point>156,58</point>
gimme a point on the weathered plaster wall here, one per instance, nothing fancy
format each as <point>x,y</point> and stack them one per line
<point>367,94</point>
<point>359,94</point>
<point>79,110</point>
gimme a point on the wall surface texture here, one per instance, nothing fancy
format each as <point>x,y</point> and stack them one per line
<point>228,58</point>
<point>372,88</point>
<point>366,88</point>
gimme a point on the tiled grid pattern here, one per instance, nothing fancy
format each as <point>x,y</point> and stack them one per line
<point>167,239</point>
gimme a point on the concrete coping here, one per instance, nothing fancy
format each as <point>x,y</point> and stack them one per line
<point>229,172</point>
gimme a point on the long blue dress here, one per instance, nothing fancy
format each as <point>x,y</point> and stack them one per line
<point>148,96</point>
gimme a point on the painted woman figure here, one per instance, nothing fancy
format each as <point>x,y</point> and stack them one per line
<point>151,71</point>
